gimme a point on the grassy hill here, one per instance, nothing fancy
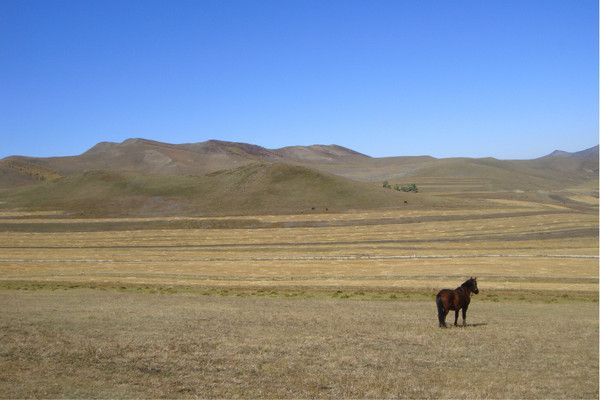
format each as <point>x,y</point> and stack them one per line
<point>144,177</point>
<point>16,171</point>
<point>256,188</point>
<point>475,174</point>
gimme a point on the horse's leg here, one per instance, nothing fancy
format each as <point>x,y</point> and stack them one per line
<point>455,317</point>
<point>464,313</point>
<point>441,312</point>
<point>446,311</point>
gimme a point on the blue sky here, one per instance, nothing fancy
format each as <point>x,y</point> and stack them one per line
<point>508,79</point>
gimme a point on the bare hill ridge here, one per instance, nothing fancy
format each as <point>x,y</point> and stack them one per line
<point>152,157</point>
<point>319,152</point>
<point>255,188</point>
<point>146,177</point>
<point>587,154</point>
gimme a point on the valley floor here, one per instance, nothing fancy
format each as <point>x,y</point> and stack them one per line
<point>94,344</point>
<point>534,248</point>
<point>322,305</point>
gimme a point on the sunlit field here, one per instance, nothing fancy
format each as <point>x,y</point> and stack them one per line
<point>88,343</point>
<point>262,200</point>
<point>319,305</point>
<point>512,249</point>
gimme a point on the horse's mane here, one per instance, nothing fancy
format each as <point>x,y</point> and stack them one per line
<point>468,283</point>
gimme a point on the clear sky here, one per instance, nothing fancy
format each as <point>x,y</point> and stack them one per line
<point>508,79</point>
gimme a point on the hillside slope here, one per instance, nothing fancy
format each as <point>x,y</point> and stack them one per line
<point>474,174</point>
<point>558,169</point>
<point>145,177</point>
<point>256,188</point>
<point>152,157</point>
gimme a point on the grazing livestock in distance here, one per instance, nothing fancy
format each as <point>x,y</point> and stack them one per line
<point>459,298</point>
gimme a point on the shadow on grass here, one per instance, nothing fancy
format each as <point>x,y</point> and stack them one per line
<point>467,326</point>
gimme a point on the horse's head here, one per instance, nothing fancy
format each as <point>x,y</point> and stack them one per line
<point>473,284</point>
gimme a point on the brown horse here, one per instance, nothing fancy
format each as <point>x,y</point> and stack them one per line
<point>456,299</point>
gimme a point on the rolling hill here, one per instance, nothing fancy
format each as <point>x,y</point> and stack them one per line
<point>250,189</point>
<point>145,177</point>
<point>152,157</point>
<point>550,172</point>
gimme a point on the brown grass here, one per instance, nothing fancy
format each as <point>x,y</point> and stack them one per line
<point>330,306</point>
<point>83,343</point>
<point>506,250</point>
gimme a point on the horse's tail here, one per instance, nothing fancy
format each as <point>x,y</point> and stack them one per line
<point>440,307</point>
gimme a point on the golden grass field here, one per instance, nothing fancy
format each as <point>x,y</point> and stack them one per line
<point>85,343</point>
<point>322,305</point>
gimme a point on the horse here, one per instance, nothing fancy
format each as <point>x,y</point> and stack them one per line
<point>459,298</point>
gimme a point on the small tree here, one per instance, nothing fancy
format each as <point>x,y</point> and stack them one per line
<point>412,187</point>
<point>386,185</point>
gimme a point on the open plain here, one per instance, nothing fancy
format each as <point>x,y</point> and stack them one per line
<point>262,199</point>
<point>83,343</point>
<point>309,305</point>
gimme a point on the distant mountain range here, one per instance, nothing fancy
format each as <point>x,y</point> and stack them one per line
<point>145,177</point>
<point>148,156</point>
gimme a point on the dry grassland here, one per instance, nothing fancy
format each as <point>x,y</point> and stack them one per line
<point>508,249</point>
<point>90,344</point>
<point>301,306</point>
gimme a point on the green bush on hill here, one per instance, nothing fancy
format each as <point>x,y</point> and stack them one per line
<point>411,187</point>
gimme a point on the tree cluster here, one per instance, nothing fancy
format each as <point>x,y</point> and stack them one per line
<point>411,187</point>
